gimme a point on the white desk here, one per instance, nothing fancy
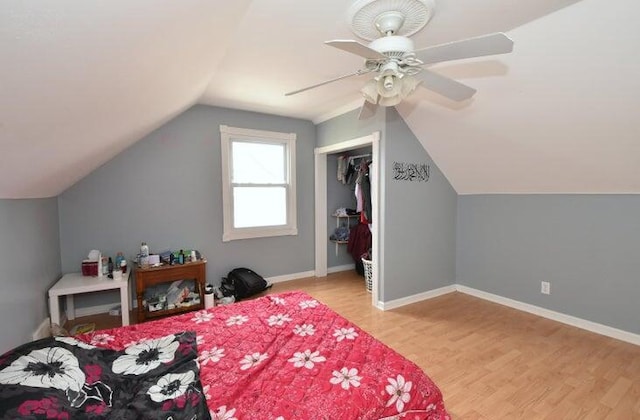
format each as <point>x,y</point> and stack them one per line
<point>75,283</point>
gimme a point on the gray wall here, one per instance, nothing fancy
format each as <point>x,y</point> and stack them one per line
<point>348,126</point>
<point>420,219</point>
<point>339,195</point>
<point>166,190</point>
<point>587,246</point>
<point>30,249</point>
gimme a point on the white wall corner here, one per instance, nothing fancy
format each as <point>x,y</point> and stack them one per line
<point>591,326</point>
<point>43,330</point>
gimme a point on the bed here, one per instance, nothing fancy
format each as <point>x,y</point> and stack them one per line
<point>284,356</point>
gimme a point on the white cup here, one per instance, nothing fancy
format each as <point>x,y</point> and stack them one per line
<point>208,301</point>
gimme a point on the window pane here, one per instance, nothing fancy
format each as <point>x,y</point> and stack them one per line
<point>258,163</point>
<point>259,206</point>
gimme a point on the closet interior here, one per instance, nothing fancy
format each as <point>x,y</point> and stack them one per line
<point>349,210</point>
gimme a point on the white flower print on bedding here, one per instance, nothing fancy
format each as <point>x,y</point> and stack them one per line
<point>399,390</point>
<point>199,340</point>
<point>306,359</point>
<point>346,378</point>
<point>134,342</point>
<point>171,386</point>
<point>202,316</point>
<point>146,356</point>
<point>237,320</point>
<point>251,360</point>
<point>306,304</point>
<point>72,341</point>
<point>205,391</point>
<point>101,339</point>
<point>49,367</point>
<point>278,300</point>
<point>279,320</point>
<point>222,414</point>
<point>213,355</point>
<point>304,330</point>
<point>345,333</point>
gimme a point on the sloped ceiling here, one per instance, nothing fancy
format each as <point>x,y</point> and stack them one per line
<point>81,81</point>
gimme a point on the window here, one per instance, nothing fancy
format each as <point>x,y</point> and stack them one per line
<point>258,183</point>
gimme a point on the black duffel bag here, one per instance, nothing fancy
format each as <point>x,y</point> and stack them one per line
<point>243,282</point>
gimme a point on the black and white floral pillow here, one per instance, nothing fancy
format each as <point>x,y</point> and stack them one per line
<point>63,378</point>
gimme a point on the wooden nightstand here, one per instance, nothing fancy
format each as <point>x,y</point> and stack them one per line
<point>147,277</point>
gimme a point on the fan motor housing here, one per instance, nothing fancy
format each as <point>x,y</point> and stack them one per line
<point>393,46</point>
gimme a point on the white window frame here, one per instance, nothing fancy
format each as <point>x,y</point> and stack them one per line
<point>227,137</point>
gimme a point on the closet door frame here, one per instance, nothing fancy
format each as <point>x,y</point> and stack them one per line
<point>320,168</point>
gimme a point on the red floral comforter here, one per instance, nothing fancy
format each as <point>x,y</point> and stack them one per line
<point>288,356</point>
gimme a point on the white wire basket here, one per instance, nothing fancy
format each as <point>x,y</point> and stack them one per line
<point>368,274</point>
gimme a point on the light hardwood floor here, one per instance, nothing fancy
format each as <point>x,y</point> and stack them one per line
<point>490,361</point>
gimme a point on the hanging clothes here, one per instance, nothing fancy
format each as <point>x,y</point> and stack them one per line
<point>342,163</point>
<point>359,241</point>
<point>363,192</point>
<point>359,203</point>
<point>351,172</point>
<point>365,186</point>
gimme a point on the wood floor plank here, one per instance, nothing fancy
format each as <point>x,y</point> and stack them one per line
<point>616,392</point>
<point>490,361</point>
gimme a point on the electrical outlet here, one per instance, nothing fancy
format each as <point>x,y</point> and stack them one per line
<point>545,288</point>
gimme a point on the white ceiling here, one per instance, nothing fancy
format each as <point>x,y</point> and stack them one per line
<point>80,81</point>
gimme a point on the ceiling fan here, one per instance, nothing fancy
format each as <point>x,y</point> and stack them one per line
<point>391,55</point>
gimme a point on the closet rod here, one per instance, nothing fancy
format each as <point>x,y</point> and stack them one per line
<point>359,156</point>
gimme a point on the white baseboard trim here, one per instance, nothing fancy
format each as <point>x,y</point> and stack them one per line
<point>393,304</point>
<point>553,315</point>
<point>289,277</point>
<point>584,324</point>
<point>339,268</point>
<point>43,330</point>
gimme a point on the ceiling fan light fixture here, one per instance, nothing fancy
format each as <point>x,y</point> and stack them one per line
<point>388,82</point>
<point>409,84</point>
<point>389,86</point>
<point>390,101</point>
<point>370,91</point>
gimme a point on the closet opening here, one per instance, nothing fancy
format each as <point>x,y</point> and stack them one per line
<point>347,206</point>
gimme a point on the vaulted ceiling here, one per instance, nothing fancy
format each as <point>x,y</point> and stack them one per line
<point>80,81</point>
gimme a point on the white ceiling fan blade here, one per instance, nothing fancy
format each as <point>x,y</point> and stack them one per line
<point>356,73</point>
<point>367,110</point>
<point>445,86</point>
<point>354,47</point>
<point>491,44</point>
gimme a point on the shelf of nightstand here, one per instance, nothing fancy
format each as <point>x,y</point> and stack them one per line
<point>146,277</point>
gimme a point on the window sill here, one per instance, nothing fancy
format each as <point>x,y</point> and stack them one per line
<point>258,233</point>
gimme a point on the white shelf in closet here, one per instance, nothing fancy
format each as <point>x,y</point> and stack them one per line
<point>338,217</point>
